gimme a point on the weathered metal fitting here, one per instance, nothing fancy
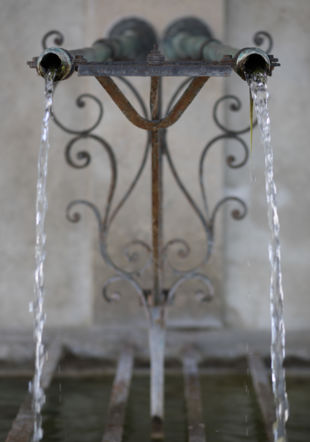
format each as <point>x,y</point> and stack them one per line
<point>56,59</point>
<point>135,28</point>
<point>249,60</point>
<point>155,57</point>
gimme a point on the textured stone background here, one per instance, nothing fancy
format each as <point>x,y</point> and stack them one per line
<point>74,270</point>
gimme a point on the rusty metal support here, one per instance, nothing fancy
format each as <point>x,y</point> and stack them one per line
<point>119,398</point>
<point>22,427</point>
<point>156,195</point>
<point>195,424</point>
<point>263,392</point>
<point>157,326</point>
<point>135,118</point>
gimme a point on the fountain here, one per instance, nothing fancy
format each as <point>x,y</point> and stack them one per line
<point>131,49</point>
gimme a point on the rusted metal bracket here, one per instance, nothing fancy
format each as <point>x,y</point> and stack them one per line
<point>155,123</point>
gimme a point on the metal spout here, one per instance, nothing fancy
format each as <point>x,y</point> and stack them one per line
<point>190,38</point>
<point>250,60</point>
<point>129,39</point>
<point>55,59</point>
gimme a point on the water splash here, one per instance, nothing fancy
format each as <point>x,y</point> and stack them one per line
<point>37,306</point>
<point>259,91</point>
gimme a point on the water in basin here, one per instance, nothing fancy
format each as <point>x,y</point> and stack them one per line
<point>76,409</point>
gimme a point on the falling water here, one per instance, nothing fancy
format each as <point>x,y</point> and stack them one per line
<point>37,306</point>
<point>258,86</point>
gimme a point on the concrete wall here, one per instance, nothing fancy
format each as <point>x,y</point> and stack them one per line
<point>75,272</point>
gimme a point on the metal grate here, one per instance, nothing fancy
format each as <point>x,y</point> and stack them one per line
<point>22,426</point>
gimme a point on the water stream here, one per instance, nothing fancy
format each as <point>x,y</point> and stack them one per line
<point>38,304</point>
<point>259,91</point>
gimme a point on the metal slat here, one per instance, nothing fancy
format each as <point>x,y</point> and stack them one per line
<point>263,392</point>
<point>22,427</point>
<point>196,427</point>
<point>119,397</point>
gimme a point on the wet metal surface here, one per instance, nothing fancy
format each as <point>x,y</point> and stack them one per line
<point>119,397</point>
<point>22,427</point>
<point>262,387</point>
<point>76,409</point>
<point>195,423</point>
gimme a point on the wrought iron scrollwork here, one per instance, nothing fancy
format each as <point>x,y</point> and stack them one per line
<point>206,217</point>
<point>80,158</point>
<point>263,38</point>
<point>235,106</point>
<point>137,252</point>
<point>81,103</point>
<point>58,38</point>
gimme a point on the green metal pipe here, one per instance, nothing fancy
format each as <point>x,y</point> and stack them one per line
<point>189,38</point>
<point>130,39</point>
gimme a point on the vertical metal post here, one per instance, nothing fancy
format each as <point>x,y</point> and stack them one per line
<point>157,326</point>
<point>156,194</point>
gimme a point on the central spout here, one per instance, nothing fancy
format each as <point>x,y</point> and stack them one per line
<point>190,38</point>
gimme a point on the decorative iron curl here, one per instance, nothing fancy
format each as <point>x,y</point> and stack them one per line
<point>75,217</point>
<point>83,158</point>
<point>80,102</point>
<point>207,228</point>
<point>113,279</point>
<point>190,277</point>
<point>235,106</point>
<point>184,247</point>
<point>231,162</point>
<point>58,38</point>
<point>135,256</point>
<point>117,295</point>
<point>183,252</point>
<point>261,38</point>
<point>236,214</point>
